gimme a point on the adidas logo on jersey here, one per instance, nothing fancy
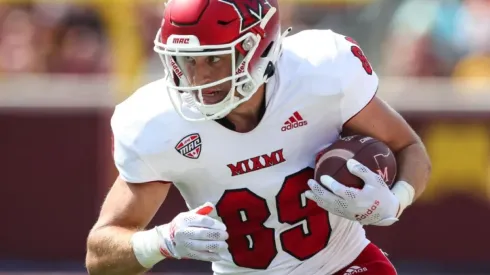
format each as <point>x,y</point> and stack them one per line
<point>294,121</point>
<point>355,270</point>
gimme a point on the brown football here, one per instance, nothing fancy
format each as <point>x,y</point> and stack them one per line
<point>372,153</point>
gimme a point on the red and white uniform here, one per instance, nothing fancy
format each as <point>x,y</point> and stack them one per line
<point>257,179</point>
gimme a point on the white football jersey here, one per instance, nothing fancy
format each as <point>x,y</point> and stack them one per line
<point>257,179</point>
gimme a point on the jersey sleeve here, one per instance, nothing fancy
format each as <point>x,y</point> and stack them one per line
<point>131,167</point>
<point>358,80</point>
<point>128,153</point>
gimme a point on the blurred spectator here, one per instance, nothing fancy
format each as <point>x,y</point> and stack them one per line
<point>473,42</point>
<point>53,38</point>
<point>79,44</point>
<point>439,38</point>
<point>425,38</point>
<point>18,52</point>
<point>408,47</point>
<point>149,21</point>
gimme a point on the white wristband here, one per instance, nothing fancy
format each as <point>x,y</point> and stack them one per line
<point>146,247</point>
<point>404,193</point>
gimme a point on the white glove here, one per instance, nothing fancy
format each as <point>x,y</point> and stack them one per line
<point>374,204</point>
<point>194,235</point>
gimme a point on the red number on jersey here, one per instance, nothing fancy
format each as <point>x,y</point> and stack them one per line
<point>252,244</point>
<point>351,40</point>
<point>359,54</point>
<point>293,207</point>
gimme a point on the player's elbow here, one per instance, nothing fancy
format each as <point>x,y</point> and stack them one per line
<point>96,264</point>
<point>424,164</point>
<point>421,154</point>
<point>94,258</point>
<point>92,265</point>
<point>428,166</point>
<point>425,158</point>
<point>109,252</point>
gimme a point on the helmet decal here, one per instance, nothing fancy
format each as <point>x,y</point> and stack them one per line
<point>251,12</point>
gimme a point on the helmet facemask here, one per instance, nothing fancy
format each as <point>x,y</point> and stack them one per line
<point>253,56</point>
<point>180,87</point>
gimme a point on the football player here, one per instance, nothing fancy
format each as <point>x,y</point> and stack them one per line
<point>235,125</point>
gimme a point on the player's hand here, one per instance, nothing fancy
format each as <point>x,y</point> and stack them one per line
<point>374,204</point>
<point>194,235</point>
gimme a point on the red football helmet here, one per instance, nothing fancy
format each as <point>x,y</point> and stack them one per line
<point>247,30</point>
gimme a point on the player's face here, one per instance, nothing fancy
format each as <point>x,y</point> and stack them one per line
<point>201,70</point>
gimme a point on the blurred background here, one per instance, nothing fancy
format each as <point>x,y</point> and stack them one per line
<point>65,64</point>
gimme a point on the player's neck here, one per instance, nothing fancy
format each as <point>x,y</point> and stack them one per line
<point>248,115</point>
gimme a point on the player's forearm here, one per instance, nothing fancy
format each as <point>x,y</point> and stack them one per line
<point>109,251</point>
<point>414,167</point>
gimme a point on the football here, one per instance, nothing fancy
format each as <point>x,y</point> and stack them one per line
<point>372,153</point>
